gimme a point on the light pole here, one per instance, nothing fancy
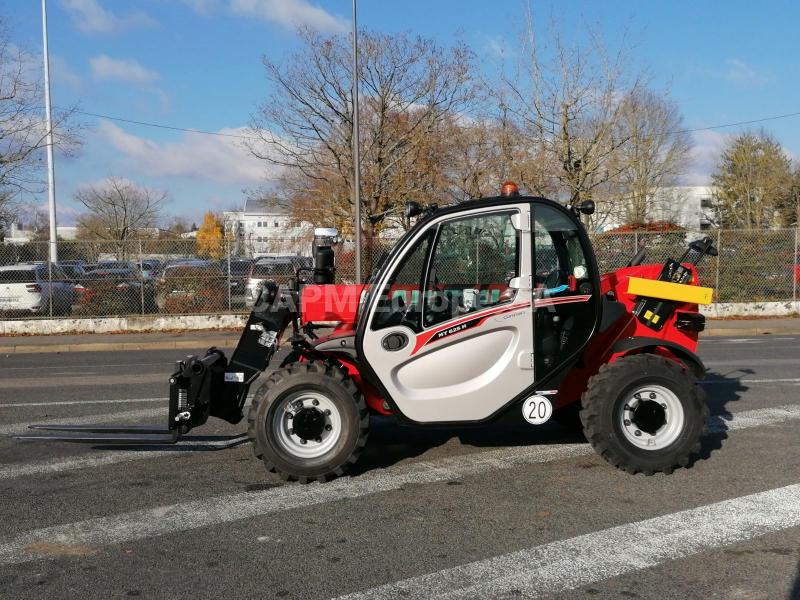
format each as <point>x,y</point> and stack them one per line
<point>356,158</point>
<point>51,175</point>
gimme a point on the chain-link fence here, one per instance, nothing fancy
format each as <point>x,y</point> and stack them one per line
<point>141,277</point>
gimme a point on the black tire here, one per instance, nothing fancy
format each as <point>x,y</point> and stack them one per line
<point>606,395</point>
<point>337,386</point>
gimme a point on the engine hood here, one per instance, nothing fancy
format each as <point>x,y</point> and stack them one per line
<point>330,304</point>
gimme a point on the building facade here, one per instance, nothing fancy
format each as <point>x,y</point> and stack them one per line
<point>265,228</point>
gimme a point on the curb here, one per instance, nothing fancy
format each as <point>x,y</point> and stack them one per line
<point>749,331</point>
<point>116,346</point>
<point>225,342</point>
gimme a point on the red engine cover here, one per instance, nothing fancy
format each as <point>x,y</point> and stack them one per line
<point>330,303</point>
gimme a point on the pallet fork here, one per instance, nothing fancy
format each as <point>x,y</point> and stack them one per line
<point>201,386</point>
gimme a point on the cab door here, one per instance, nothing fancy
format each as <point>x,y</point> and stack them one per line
<point>449,329</point>
<point>566,288</point>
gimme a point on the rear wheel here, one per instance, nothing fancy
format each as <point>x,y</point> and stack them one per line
<point>644,413</point>
<point>308,422</point>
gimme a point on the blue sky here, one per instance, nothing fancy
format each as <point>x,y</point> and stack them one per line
<point>196,64</point>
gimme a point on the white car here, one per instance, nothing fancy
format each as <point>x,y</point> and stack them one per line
<point>27,288</point>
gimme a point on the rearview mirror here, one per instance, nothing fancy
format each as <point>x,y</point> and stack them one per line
<point>587,207</point>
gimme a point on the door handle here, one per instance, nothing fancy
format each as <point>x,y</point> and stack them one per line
<point>394,342</point>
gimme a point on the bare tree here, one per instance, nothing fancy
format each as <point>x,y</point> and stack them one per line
<point>752,181</point>
<point>569,101</point>
<point>410,86</point>
<point>23,132</point>
<point>654,156</point>
<point>484,152</point>
<point>119,211</point>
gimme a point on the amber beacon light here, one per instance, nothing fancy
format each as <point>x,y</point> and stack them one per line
<point>509,188</point>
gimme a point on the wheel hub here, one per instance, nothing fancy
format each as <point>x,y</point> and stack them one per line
<point>308,424</point>
<point>649,416</point>
<point>652,417</point>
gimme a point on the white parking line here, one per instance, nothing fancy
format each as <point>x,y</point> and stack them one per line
<point>207,512</point>
<point>14,428</point>
<point>731,381</point>
<point>575,562</point>
<point>81,402</point>
<point>100,459</point>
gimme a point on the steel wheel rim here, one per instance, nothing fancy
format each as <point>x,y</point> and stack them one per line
<point>631,418</point>
<point>291,442</point>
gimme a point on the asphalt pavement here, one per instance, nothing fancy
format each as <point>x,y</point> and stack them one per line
<point>501,511</point>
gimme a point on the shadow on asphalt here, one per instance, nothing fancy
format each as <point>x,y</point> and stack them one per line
<point>794,594</point>
<point>722,390</point>
<point>390,442</point>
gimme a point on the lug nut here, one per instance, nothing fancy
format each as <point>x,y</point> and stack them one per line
<point>315,402</point>
<point>302,441</point>
<point>652,396</point>
<point>664,405</point>
<point>637,433</point>
<point>290,415</point>
<point>638,396</point>
<point>319,439</point>
<point>627,423</point>
<point>627,407</point>
<point>328,427</point>
<point>327,412</point>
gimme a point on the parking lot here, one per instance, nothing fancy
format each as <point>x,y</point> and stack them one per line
<point>504,511</point>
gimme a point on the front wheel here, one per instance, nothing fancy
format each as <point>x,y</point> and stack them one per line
<point>644,414</point>
<point>308,422</point>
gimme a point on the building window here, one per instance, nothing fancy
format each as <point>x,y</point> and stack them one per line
<point>276,224</point>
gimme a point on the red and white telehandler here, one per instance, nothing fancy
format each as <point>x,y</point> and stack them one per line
<point>481,308</point>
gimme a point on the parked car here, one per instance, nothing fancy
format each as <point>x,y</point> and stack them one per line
<point>150,268</point>
<point>239,272</point>
<point>115,292</point>
<point>279,270</point>
<point>117,264</point>
<point>27,288</point>
<point>192,287</point>
<point>73,270</point>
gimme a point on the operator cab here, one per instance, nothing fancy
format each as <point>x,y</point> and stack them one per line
<point>478,306</point>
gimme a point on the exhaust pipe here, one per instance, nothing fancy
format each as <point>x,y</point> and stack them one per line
<point>324,260</point>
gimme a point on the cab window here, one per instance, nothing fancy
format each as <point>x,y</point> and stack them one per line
<point>472,263</point>
<point>400,301</point>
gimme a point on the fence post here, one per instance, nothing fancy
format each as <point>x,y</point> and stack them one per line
<point>50,285</point>
<point>635,242</point>
<point>719,251</point>
<point>141,273</point>
<point>795,266</point>
<point>228,252</point>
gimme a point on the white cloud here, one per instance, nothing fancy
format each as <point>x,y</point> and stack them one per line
<point>203,7</point>
<point>90,17</point>
<point>708,146</point>
<point>742,74</point>
<point>197,156</point>
<point>126,69</point>
<point>290,14</point>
